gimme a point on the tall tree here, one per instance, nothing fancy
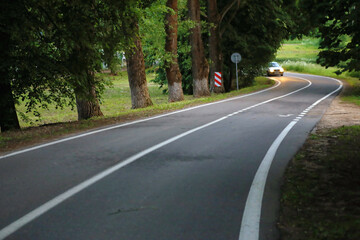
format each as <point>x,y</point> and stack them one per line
<point>243,27</point>
<point>82,21</point>
<point>172,67</point>
<point>217,27</point>
<point>8,117</point>
<point>200,66</point>
<point>140,96</point>
<point>30,69</point>
<point>214,45</point>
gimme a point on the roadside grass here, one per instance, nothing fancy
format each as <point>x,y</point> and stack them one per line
<point>116,107</point>
<point>321,197</point>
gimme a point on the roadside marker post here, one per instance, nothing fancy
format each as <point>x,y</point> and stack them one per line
<point>217,79</point>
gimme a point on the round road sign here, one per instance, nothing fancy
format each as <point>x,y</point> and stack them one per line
<point>236,57</point>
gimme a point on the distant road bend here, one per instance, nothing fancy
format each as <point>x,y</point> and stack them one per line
<point>207,172</point>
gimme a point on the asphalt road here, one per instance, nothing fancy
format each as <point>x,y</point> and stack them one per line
<point>184,175</point>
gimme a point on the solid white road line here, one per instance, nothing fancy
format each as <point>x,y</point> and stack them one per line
<point>137,121</point>
<point>250,224</point>
<point>13,227</point>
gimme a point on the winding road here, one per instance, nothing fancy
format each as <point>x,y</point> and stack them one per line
<point>207,172</point>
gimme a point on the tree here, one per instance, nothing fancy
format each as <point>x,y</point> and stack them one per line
<point>172,67</point>
<point>336,22</point>
<point>82,29</point>
<point>255,29</point>
<point>200,66</point>
<point>340,36</point>
<point>214,45</point>
<point>54,49</point>
<point>153,34</point>
<point>30,68</point>
<point>8,117</point>
<point>140,96</point>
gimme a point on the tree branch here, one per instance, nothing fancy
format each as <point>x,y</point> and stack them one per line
<point>227,8</point>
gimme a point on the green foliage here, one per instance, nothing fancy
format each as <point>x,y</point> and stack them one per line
<point>341,36</point>
<point>184,49</point>
<point>31,59</point>
<point>153,33</point>
<point>160,79</point>
<point>299,50</point>
<point>256,33</point>
<point>53,48</point>
<point>338,22</point>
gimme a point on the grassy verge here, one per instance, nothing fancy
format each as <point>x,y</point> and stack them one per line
<point>116,106</point>
<point>304,50</point>
<point>321,197</point>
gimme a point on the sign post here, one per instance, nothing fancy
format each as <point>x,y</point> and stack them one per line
<point>236,58</point>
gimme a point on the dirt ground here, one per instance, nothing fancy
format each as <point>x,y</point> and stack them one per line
<point>340,114</point>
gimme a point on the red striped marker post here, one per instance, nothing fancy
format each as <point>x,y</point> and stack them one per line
<point>217,79</point>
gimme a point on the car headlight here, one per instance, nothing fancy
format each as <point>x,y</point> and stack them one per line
<point>271,70</point>
<point>281,70</point>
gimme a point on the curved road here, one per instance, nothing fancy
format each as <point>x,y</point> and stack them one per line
<point>207,172</point>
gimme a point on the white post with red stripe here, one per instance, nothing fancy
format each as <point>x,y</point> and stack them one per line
<point>217,80</point>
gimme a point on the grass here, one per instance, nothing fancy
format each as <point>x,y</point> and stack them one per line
<point>116,106</point>
<point>304,50</point>
<point>321,199</point>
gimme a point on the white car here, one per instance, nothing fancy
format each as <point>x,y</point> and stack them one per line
<point>274,69</point>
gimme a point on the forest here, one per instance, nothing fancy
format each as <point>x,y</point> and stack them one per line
<point>53,50</point>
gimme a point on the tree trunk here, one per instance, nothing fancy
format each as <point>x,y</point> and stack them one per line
<point>173,74</point>
<point>214,45</point>
<point>135,63</point>
<point>86,101</point>
<point>8,116</point>
<point>200,66</point>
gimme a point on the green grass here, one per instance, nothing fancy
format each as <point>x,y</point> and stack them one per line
<point>305,50</point>
<point>321,199</point>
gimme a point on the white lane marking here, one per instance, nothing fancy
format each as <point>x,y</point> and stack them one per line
<point>137,121</point>
<point>285,115</point>
<point>250,224</point>
<point>13,227</point>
